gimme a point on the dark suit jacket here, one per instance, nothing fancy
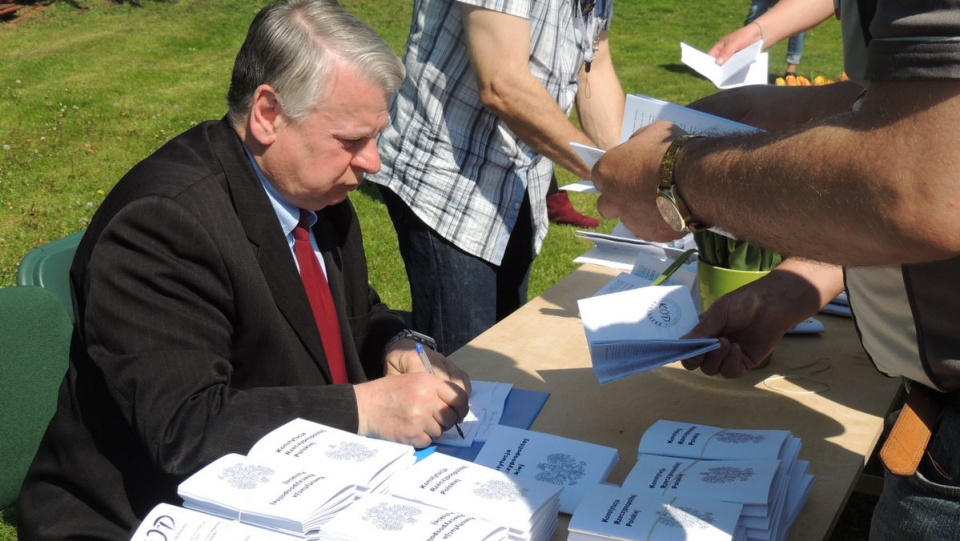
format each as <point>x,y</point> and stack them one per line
<point>194,338</point>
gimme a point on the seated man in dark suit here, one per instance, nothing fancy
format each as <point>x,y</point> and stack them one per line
<point>195,334</point>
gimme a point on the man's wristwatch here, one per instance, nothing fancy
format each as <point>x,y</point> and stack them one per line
<point>412,335</point>
<point>671,206</point>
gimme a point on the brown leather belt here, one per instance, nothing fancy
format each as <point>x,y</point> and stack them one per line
<point>908,439</point>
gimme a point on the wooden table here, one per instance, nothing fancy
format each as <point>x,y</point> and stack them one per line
<point>836,408</point>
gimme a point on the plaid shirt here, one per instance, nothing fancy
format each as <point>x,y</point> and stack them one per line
<point>455,163</point>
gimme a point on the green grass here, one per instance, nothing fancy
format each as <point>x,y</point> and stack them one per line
<point>85,94</point>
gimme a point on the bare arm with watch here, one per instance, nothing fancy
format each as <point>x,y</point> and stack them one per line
<point>409,404</point>
<point>865,188</point>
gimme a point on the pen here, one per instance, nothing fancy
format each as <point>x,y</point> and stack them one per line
<point>426,364</point>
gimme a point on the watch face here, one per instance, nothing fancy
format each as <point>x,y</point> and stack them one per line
<point>670,213</point>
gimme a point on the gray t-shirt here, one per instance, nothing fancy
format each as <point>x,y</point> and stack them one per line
<point>908,316</point>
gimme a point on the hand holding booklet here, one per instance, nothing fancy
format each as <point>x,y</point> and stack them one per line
<point>640,329</point>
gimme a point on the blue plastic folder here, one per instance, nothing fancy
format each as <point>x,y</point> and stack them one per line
<point>519,411</point>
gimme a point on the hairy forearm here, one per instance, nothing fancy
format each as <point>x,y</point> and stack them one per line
<point>763,106</point>
<point>873,187</point>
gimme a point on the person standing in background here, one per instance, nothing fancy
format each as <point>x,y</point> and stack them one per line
<point>476,129</point>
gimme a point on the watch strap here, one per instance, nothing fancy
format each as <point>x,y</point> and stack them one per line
<point>411,335</point>
<point>667,177</point>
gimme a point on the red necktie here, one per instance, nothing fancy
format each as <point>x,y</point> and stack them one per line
<point>321,300</point>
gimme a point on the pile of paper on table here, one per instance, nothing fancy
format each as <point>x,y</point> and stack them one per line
<point>757,470</point>
<point>527,507</point>
<point>295,478</point>
<point>611,513</point>
<point>380,516</point>
<point>576,466</point>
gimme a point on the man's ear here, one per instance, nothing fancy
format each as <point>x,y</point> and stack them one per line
<point>266,115</point>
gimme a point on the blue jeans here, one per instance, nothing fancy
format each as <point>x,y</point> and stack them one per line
<point>925,506</point>
<point>794,45</point>
<point>456,296</point>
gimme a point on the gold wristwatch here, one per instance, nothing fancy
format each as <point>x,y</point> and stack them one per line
<point>671,206</point>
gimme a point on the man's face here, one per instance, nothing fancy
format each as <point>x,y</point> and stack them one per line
<point>318,160</point>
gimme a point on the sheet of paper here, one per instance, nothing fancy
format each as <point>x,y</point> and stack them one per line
<point>747,66</point>
<point>641,110</point>
<point>584,186</point>
<point>486,407</point>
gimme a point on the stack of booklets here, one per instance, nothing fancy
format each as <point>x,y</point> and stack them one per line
<point>755,470</point>
<point>576,466</point>
<point>611,513</point>
<point>305,480</point>
<point>374,516</point>
<point>379,516</point>
<point>527,507</point>
<point>295,478</point>
<point>167,522</point>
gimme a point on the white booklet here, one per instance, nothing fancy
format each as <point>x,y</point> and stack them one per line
<point>748,66</point>
<point>378,516</point>
<point>526,506</point>
<point>692,440</point>
<point>366,462</point>
<point>750,482</point>
<point>167,522</point>
<point>640,111</point>
<point>615,514</point>
<point>640,329</point>
<point>487,401</point>
<point>574,465</point>
<point>276,494</point>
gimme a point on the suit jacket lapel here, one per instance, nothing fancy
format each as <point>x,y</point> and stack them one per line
<point>266,237</point>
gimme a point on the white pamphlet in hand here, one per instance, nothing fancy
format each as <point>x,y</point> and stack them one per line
<point>746,67</point>
<point>640,329</point>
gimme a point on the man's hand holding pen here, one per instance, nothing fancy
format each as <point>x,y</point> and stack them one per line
<point>413,403</point>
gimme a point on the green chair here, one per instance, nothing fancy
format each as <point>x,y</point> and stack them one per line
<point>34,350</point>
<point>48,266</point>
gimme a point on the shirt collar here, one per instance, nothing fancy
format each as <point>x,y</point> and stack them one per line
<point>287,213</point>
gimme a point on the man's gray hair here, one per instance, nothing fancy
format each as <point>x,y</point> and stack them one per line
<point>293,46</point>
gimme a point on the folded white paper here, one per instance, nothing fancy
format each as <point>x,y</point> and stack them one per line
<point>749,66</point>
